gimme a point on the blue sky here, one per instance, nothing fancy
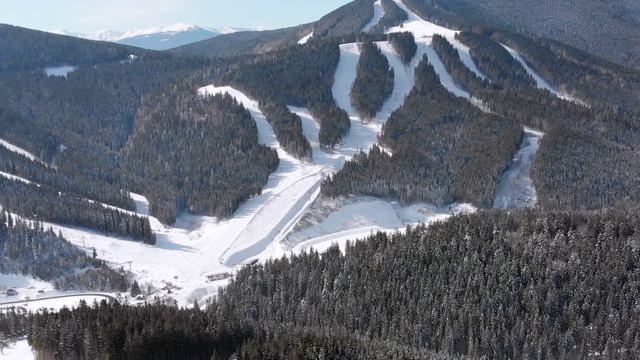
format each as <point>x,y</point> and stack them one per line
<point>91,15</point>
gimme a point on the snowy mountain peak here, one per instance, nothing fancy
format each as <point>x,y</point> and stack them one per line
<point>157,38</point>
<point>173,29</point>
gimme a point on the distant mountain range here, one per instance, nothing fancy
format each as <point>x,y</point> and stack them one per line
<point>157,38</point>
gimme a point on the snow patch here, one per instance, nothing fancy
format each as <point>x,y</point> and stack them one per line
<point>515,188</point>
<point>20,350</point>
<point>59,71</point>
<point>16,178</point>
<point>305,39</point>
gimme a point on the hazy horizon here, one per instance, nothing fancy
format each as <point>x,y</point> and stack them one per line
<point>90,16</point>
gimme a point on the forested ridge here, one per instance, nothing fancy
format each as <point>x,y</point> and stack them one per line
<point>586,159</point>
<point>524,284</point>
<point>49,50</point>
<point>495,61</point>
<point>577,24</point>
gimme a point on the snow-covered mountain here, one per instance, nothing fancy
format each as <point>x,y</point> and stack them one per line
<point>157,38</point>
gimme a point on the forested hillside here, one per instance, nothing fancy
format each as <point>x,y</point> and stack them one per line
<point>556,281</point>
<point>444,150</point>
<point>78,126</point>
<point>586,159</point>
<point>348,19</point>
<point>27,248</point>
<point>246,42</point>
<point>297,76</point>
<point>578,24</point>
<point>494,284</point>
<point>48,50</point>
<point>197,154</point>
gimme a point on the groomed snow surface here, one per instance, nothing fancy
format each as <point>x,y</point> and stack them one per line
<point>198,255</point>
<point>515,188</point>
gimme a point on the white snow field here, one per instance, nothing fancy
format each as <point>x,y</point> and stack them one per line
<point>305,39</point>
<point>515,188</point>
<point>59,71</point>
<point>19,350</point>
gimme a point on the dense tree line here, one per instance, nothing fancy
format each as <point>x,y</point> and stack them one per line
<point>348,19</point>
<point>589,78</point>
<point>79,124</point>
<point>334,123</point>
<point>404,44</point>
<point>586,159</point>
<point>296,76</point>
<point>113,331</point>
<point>27,248</point>
<point>520,284</point>
<point>495,61</point>
<point>577,170</point>
<point>288,129</point>
<point>500,285</point>
<point>195,153</point>
<point>464,78</point>
<point>38,172</point>
<point>579,25</point>
<point>444,150</point>
<point>243,43</point>
<point>374,81</point>
<point>48,204</point>
<point>95,279</point>
<point>13,325</point>
<point>35,138</point>
<point>393,16</point>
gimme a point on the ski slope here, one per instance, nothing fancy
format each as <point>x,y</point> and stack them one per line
<point>515,188</point>
<point>264,226</point>
<point>378,13</point>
